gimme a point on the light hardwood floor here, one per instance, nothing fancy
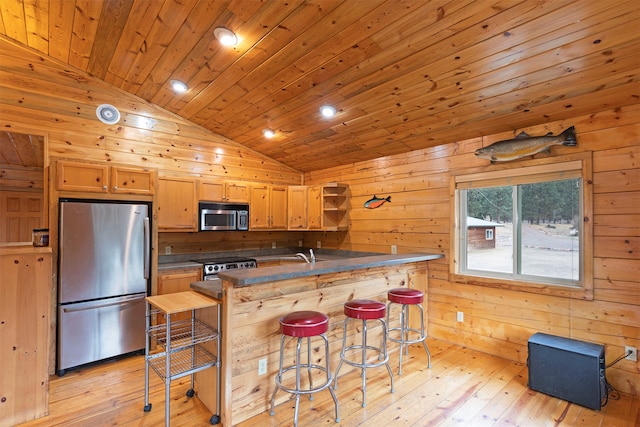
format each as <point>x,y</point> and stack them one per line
<point>463,388</point>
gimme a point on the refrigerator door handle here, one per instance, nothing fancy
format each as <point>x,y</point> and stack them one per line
<point>97,304</point>
<point>147,248</point>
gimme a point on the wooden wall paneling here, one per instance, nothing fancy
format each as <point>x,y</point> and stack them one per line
<point>500,321</point>
<point>25,289</point>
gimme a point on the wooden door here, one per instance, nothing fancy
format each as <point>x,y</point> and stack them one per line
<point>259,207</point>
<point>297,203</point>
<point>177,205</point>
<point>20,213</point>
<point>278,207</point>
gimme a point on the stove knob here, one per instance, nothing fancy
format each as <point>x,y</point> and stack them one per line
<point>208,269</point>
<point>215,268</point>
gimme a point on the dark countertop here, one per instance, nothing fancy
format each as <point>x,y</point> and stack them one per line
<point>212,288</point>
<point>254,276</point>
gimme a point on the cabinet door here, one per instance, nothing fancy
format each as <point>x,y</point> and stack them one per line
<point>259,208</point>
<point>172,281</point>
<point>131,181</point>
<point>177,204</point>
<point>75,176</point>
<point>278,207</point>
<point>211,191</point>
<point>314,207</point>
<point>236,191</point>
<point>297,199</point>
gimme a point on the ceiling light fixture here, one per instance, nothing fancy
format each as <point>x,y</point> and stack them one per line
<point>225,36</point>
<point>268,133</point>
<point>178,86</point>
<point>327,111</point>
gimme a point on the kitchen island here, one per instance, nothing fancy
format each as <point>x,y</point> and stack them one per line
<point>253,300</point>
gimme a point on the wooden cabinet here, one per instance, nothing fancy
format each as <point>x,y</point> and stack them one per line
<point>297,201</point>
<point>97,178</point>
<point>223,191</point>
<point>25,304</point>
<point>177,207</point>
<point>268,207</point>
<point>178,280</point>
<point>322,207</point>
<point>314,208</point>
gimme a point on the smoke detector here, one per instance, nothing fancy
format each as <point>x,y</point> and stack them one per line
<point>108,114</point>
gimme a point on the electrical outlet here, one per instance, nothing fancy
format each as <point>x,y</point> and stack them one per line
<point>299,243</point>
<point>460,316</point>
<point>167,250</point>
<point>273,245</point>
<point>394,249</point>
<point>262,366</point>
<point>318,244</point>
<point>634,353</point>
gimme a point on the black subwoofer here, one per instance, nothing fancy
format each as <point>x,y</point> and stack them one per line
<point>568,369</point>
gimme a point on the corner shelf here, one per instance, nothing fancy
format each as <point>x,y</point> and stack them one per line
<point>335,207</point>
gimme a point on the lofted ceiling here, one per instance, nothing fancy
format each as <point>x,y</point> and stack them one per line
<point>403,75</point>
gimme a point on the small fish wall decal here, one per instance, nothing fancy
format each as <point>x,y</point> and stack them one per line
<point>376,202</point>
<point>524,145</point>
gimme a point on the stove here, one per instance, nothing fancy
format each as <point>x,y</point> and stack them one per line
<point>212,267</point>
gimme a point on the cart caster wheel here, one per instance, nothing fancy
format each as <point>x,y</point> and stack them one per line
<point>61,372</point>
<point>215,419</point>
<point>190,392</point>
<point>147,408</point>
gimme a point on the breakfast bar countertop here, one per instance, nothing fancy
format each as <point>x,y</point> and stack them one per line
<point>252,276</point>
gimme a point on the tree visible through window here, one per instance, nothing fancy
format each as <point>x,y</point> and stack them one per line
<point>533,220</point>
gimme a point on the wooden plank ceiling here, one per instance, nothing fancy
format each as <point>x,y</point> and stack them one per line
<point>403,74</point>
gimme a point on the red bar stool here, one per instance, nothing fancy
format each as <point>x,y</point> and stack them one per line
<point>304,324</point>
<point>407,297</point>
<point>364,310</point>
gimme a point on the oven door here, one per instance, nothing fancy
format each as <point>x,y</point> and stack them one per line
<point>218,219</point>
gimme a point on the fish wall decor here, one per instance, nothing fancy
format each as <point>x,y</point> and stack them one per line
<point>376,202</point>
<point>524,145</point>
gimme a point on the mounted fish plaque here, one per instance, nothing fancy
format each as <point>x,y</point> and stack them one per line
<point>524,145</point>
<point>376,202</point>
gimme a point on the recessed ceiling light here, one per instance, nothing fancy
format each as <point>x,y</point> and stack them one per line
<point>225,36</point>
<point>178,86</point>
<point>327,111</point>
<point>268,133</point>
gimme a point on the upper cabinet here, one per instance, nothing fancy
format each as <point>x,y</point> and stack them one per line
<point>297,199</point>
<point>177,205</point>
<point>321,207</point>
<point>268,207</point>
<point>100,178</point>
<point>224,191</point>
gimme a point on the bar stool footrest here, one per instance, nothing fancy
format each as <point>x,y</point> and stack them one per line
<point>324,385</point>
<point>344,356</point>
<point>417,340</point>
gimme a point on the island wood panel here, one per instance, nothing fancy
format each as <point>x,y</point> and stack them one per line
<point>253,313</point>
<point>491,323</point>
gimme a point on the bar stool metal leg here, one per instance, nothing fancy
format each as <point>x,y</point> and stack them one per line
<point>301,325</point>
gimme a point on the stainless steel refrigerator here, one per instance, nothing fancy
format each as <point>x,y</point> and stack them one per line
<point>103,280</point>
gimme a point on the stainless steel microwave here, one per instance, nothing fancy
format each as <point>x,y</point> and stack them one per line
<point>223,216</point>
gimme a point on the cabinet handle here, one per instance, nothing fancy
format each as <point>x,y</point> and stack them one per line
<point>104,187</point>
<point>115,188</point>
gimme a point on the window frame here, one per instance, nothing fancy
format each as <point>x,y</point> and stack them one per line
<point>560,167</point>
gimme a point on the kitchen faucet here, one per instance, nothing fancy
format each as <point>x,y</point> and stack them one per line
<point>304,257</point>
